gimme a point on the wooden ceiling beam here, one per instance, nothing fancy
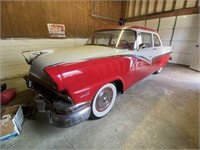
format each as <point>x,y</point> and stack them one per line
<point>186,11</point>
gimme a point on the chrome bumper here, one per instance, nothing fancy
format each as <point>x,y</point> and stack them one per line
<point>61,114</point>
<point>63,121</point>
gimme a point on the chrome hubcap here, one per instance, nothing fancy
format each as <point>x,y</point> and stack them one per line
<point>104,99</point>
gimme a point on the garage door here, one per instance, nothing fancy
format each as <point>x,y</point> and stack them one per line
<point>182,33</point>
<point>185,39</point>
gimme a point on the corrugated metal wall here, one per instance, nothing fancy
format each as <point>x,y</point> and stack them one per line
<point>30,18</point>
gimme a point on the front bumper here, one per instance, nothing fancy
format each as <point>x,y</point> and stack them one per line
<point>63,121</point>
<point>62,114</point>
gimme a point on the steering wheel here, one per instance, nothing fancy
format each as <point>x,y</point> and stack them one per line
<point>125,44</point>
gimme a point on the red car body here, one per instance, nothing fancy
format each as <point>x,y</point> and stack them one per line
<point>91,75</point>
<point>71,91</point>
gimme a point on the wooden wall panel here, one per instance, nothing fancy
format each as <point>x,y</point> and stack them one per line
<point>30,18</point>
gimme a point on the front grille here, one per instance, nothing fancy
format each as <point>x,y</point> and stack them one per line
<point>49,94</point>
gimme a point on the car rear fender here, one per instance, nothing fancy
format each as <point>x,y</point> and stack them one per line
<point>55,76</point>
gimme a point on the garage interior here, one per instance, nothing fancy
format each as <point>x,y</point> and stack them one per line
<point>159,112</point>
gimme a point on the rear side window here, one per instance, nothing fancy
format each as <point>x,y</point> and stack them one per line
<point>146,39</point>
<point>156,41</point>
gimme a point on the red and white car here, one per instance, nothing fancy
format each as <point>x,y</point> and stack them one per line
<point>76,83</point>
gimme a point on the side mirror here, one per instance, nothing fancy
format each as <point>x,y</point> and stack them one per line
<point>141,46</point>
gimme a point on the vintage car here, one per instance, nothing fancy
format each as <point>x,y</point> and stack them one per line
<point>78,83</point>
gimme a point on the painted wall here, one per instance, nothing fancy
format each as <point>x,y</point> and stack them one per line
<point>12,62</point>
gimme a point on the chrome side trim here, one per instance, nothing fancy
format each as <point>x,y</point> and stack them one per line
<point>144,59</point>
<point>118,55</point>
<point>161,55</point>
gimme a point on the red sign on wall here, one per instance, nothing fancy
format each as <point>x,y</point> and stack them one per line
<point>56,30</point>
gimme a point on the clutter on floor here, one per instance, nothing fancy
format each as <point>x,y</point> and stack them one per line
<point>8,95</point>
<point>11,122</point>
<point>3,87</point>
<point>15,108</point>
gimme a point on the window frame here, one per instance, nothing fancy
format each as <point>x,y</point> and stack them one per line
<point>134,33</point>
<point>153,34</point>
<point>152,44</point>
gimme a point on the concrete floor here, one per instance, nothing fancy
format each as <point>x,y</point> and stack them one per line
<point>160,112</point>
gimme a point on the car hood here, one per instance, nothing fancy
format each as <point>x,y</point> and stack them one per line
<point>72,54</point>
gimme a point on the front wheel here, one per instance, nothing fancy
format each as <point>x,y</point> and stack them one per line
<point>103,101</point>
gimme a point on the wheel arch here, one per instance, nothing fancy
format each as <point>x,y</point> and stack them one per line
<point>119,86</point>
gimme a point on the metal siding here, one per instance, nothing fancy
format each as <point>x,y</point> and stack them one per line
<point>167,23</point>
<point>152,23</point>
<point>185,38</point>
<point>137,23</point>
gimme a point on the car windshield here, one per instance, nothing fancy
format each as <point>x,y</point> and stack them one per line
<point>119,38</point>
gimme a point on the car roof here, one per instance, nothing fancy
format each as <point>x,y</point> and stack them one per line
<point>126,27</point>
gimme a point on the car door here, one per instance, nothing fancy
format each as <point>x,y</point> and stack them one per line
<point>161,54</point>
<point>144,55</point>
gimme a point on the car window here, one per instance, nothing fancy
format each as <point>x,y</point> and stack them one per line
<point>119,38</point>
<point>156,41</point>
<point>102,39</point>
<point>146,39</point>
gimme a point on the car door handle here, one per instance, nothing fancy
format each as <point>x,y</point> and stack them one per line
<point>154,49</point>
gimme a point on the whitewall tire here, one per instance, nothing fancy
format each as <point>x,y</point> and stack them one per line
<point>103,101</point>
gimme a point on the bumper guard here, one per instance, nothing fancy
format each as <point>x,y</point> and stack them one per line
<point>71,114</point>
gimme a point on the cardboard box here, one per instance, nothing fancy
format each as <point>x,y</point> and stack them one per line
<point>11,122</point>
